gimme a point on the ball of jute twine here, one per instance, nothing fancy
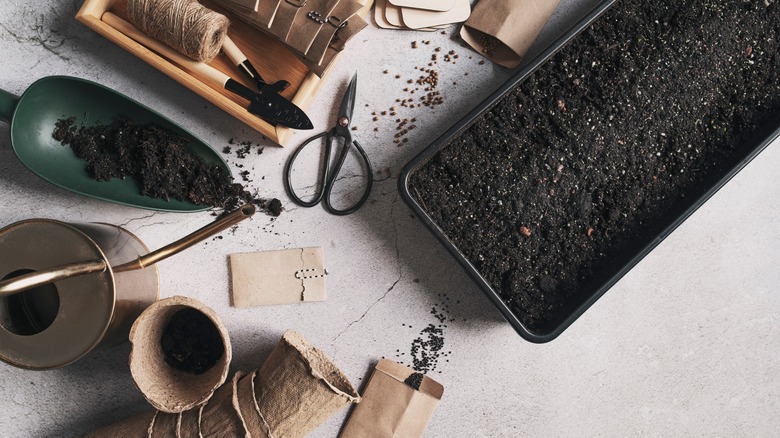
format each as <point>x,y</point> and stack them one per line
<point>185,25</point>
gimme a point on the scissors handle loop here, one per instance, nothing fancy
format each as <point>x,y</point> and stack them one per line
<point>332,179</point>
<point>319,191</point>
<point>328,175</point>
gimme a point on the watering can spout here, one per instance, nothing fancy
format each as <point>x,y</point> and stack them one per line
<point>39,278</point>
<point>176,247</point>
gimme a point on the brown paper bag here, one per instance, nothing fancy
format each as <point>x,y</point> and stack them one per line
<point>283,276</point>
<point>503,30</point>
<point>397,402</point>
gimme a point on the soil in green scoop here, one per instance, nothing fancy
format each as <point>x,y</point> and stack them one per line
<point>158,159</point>
<point>587,160</point>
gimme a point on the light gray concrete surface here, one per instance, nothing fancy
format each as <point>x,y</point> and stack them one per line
<point>687,344</point>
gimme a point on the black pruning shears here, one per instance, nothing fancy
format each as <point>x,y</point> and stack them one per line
<point>266,102</point>
<point>341,136</point>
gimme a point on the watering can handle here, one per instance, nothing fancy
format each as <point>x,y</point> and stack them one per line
<point>8,103</point>
<point>34,279</point>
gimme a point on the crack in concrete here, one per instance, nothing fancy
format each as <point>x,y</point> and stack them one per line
<point>367,310</point>
<point>124,224</point>
<point>392,286</point>
<point>385,178</point>
<point>45,41</point>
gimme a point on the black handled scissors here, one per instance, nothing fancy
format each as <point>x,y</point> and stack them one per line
<point>340,136</point>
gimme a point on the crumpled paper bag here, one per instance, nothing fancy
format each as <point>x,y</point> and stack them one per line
<point>504,30</point>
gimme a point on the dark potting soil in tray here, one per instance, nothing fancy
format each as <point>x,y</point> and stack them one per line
<point>588,159</point>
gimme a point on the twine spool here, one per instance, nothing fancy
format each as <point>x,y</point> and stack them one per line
<point>185,25</point>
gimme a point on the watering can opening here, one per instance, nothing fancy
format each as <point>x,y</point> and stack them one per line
<point>30,312</point>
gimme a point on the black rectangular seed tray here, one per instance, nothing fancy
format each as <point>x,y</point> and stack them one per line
<point>576,293</point>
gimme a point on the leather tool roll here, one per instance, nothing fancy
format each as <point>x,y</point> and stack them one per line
<point>259,18</point>
<point>345,33</point>
<point>285,16</point>
<point>308,22</point>
<point>314,30</point>
<point>266,10</point>
<point>337,23</point>
<point>337,44</point>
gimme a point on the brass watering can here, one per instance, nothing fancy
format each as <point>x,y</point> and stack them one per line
<point>69,288</point>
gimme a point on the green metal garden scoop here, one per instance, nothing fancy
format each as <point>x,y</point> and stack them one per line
<point>33,116</point>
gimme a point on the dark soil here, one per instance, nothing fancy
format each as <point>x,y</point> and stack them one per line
<point>587,160</point>
<point>191,342</point>
<point>274,207</point>
<point>158,159</point>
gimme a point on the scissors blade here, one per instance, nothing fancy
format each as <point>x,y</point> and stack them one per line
<point>348,102</point>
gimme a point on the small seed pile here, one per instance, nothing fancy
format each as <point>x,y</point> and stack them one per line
<point>422,91</point>
<point>428,348</point>
<point>489,43</point>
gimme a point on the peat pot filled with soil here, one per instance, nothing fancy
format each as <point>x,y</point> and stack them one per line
<point>564,179</point>
<point>180,353</point>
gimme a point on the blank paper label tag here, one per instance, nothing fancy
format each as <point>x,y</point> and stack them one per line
<point>278,277</point>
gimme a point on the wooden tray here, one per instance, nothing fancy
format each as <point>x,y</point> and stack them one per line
<point>271,58</point>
